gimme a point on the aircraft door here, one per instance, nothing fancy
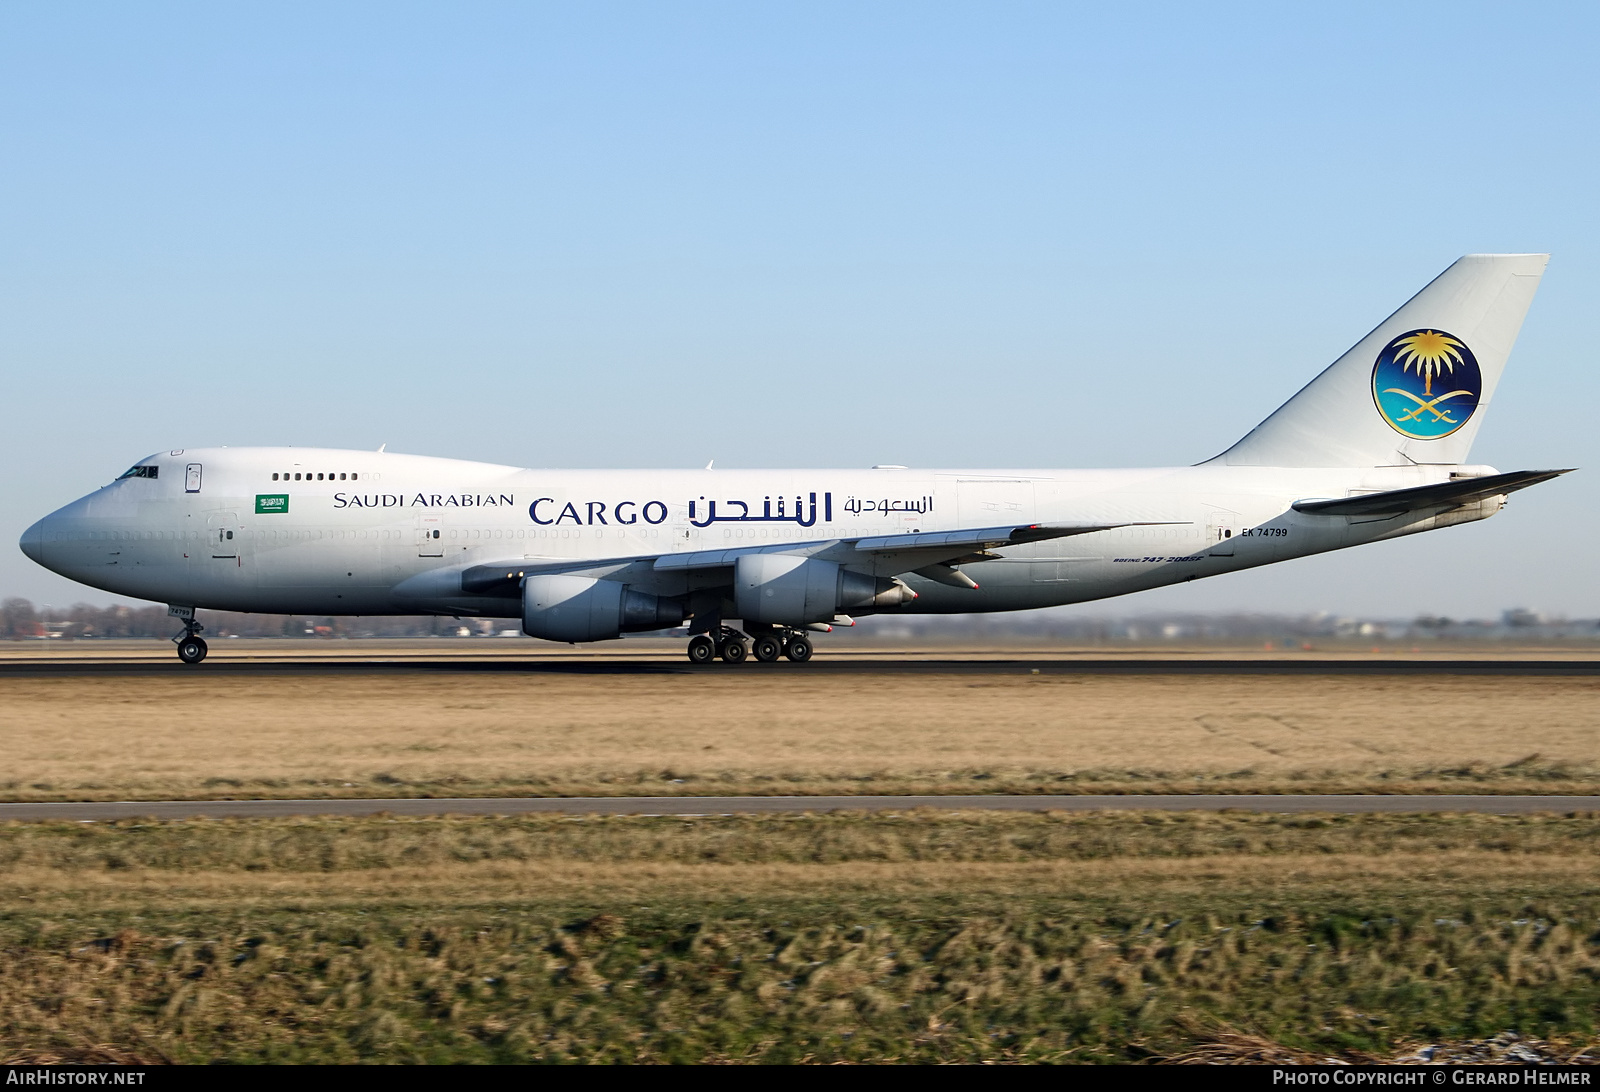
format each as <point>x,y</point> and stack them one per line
<point>685,535</point>
<point>1222,529</point>
<point>430,536</point>
<point>191,478</point>
<point>226,541</point>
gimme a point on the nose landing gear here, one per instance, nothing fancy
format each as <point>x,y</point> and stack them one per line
<point>191,648</point>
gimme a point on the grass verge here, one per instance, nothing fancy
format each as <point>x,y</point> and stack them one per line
<point>919,937</point>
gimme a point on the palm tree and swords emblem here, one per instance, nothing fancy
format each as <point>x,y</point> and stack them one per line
<point>1430,356</point>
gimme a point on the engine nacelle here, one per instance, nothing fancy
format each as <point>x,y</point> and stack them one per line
<point>558,607</point>
<point>784,590</point>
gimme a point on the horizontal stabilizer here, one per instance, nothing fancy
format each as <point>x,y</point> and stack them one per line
<point>1443,495</point>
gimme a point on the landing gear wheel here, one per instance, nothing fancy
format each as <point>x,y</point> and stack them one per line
<point>734,652</point>
<point>191,650</point>
<point>798,649</point>
<point>767,648</point>
<point>702,649</point>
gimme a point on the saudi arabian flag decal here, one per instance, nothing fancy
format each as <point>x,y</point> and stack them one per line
<point>271,503</point>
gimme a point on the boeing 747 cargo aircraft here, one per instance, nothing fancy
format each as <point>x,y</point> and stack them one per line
<point>1373,448</point>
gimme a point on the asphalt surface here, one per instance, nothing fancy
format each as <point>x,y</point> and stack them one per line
<point>33,669</point>
<point>757,805</point>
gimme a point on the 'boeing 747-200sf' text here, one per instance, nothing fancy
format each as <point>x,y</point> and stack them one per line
<point>1373,448</point>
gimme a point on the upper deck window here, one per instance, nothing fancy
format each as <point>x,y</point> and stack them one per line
<point>141,472</point>
<point>286,476</point>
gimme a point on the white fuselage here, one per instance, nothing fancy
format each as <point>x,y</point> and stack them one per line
<point>349,532</point>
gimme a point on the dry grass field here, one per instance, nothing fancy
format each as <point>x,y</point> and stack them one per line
<point>919,937</point>
<point>782,732</point>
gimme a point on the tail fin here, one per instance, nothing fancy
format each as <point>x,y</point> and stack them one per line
<point>1415,389</point>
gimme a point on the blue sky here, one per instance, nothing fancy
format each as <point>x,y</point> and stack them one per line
<point>789,234</point>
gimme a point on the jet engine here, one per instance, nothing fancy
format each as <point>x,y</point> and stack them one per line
<point>559,607</point>
<point>784,590</point>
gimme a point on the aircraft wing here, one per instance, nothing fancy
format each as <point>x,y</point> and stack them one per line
<point>887,555</point>
<point>1443,495</point>
<point>880,555</point>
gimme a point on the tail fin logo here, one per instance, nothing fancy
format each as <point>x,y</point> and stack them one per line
<point>1426,384</point>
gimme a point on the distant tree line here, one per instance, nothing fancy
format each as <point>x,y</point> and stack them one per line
<point>20,620</point>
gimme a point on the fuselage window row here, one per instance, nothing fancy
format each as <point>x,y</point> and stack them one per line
<point>308,477</point>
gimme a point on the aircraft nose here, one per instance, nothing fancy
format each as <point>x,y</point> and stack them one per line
<point>33,541</point>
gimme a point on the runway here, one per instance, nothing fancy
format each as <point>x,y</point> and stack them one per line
<point>766,805</point>
<point>31,668</point>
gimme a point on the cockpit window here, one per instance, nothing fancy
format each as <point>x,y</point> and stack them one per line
<point>142,472</point>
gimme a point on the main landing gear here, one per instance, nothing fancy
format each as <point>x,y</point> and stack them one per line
<point>724,641</point>
<point>191,649</point>
<point>729,644</point>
